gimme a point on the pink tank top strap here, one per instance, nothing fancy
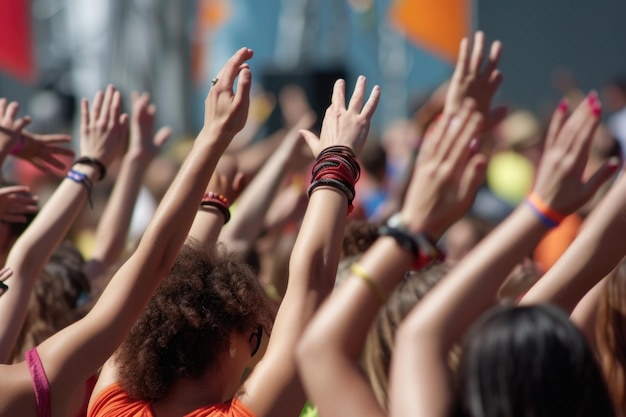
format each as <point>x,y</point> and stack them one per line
<point>40,383</point>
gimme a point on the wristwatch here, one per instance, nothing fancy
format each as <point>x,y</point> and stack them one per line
<point>421,246</point>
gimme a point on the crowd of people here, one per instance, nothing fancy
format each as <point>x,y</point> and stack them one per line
<point>475,270</point>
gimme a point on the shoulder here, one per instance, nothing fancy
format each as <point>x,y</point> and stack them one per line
<point>114,401</point>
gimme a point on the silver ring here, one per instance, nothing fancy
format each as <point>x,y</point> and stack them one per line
<point>214,81</point>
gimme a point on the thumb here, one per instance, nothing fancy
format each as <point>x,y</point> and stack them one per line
<point>600,177</point>
<point>311,139</point>
<point>162,135</point>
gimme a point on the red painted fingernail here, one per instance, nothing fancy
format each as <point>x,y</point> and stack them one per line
<point>596,108</point>
<point>592,97</point>
<point>563,106</point>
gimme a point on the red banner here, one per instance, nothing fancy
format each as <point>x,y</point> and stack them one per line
<point>437,26</point>
<point>16,47</point>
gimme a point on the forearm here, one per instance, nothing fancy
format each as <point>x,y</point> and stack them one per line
<point>254,203</point>
<point>93,339</point>
<point>32,251</point>
<point>312,272</point>
<point>334,339</point>
<point>472,286</point>
<point>115,221</point>
<point>598,248</point>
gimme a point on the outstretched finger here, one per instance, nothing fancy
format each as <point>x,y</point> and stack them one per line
<point>3,106</point>
<point>372,103</point>
<point>462,63</point>
<point>556,123</point>
<point>338,99</point>
<point>494,58</point>
<point>230,70</point>
<point>96,106</point>
<point>115,108</point>
<point>12,189</point>
<point>84,116</point>
<point>103,117</point>
<point>12,110</point>
<point>356,101</point>
<point>59,150</point>
<point>162,136</point>
<point>244,83</point>
<point>477,52</point>
<point>5,273</point>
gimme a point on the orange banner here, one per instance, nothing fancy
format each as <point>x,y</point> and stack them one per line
<point>435,25</point>
<point>16,47</point>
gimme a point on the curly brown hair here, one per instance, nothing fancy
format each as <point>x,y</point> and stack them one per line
<point>189,320</point>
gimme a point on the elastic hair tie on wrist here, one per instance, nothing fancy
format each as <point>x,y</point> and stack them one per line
<point>360,272</point>
<point>87,160</point>
<point>545,213</point>
<point>81,178</point>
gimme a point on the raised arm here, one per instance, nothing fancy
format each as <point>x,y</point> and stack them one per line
<point>273,388</point>
<point>255,201</point>
<point>441,188</point>
<point>419,374</point>
<point>100,138</point>
<point>597,249</point>
<point>90,341</point>
<point>115,221</point>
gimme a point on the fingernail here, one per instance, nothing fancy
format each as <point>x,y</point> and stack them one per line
<point>563,106</point>
<point>592,97</point>
<point>614,164</point>
<point>474,145</point>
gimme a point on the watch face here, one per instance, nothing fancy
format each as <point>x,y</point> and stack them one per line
<point>396,221</point>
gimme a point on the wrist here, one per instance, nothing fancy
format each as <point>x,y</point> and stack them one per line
<point>421,245</point>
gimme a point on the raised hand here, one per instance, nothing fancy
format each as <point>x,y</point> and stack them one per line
<point>471,80</point>
<point>559,182</point>
<point>345,126</point>
<point>142,143</point>
<point>224,110</point>
<point>447,174</point>
<point>44,151</point>
<point>10,126</point>
<point>16,202</point>
<point>103,130</point>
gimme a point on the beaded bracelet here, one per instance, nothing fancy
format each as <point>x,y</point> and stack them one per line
<point>83,179</point>
<point>547,215</point>
<point>218,201</point>
<point>93,162</point>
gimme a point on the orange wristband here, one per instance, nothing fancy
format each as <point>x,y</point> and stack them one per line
<point>542,208</point>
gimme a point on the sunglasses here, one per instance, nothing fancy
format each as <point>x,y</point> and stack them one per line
<point>256,337</point>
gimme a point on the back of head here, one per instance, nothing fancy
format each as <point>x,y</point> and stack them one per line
<point>188,322</point>
<point>529,361</point>
<point>379,344</point>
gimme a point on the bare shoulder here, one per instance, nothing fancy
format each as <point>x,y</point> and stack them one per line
<point>18,396</point>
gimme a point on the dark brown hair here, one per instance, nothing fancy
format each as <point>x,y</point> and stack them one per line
<point>189,320</point>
